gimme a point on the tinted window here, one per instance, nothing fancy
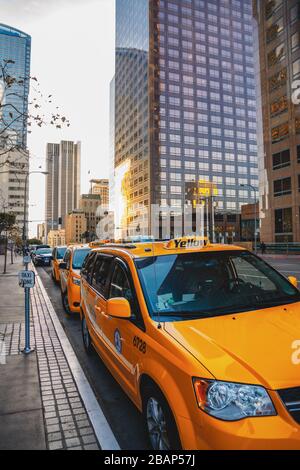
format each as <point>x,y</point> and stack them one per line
<point>79,258</point>
<point>200,285</point>
<point>120,286</point>
<point>43,251</point>
<point>60,253</point>
<point>88,265</point>
<point>67,258</point>
<point>101,273</point>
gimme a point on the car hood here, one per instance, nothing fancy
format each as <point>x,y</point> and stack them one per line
<point>254,347</point>
<point>44,256</point>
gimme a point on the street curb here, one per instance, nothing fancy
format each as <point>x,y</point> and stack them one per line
<point>100,424</point>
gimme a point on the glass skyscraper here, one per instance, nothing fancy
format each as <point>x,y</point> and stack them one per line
<point>185,108</point>
<point>16,46</point>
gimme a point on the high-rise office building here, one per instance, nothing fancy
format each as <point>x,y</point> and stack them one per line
<point>15,47</point>
<point>277,41</point>
<point>185,108</point>
<point>62,182</point>
<point>13,175</point>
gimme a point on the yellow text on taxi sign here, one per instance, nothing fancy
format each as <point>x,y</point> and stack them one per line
<point>187,243</point>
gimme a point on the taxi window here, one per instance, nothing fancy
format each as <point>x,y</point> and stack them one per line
<point>88,265</point>
<point>60,253</point>
<point>120,286</point>
<point>67,258</point>
<point>101,272</point>
<point>200,285</point>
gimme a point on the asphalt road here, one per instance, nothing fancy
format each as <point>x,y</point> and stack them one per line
<point>288,265</point>
<point>124,419</point>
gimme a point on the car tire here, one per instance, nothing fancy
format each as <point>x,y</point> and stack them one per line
<point>65,302</point>
<point>54,277</point>
<point>86,338</point>
<point>159,421</point>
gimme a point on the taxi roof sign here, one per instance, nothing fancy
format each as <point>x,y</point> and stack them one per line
<point>187,243</point>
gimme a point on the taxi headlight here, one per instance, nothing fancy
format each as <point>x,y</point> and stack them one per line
<point>231,401</point>
<point>76,281</point>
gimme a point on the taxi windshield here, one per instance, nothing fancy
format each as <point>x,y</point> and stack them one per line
<point>200,285</point>
<point>44,251</point>
<point>60,253</point>
<point>79,257</point>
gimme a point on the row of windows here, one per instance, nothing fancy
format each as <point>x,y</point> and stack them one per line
<point>283,159</point>
<point>283,186</point>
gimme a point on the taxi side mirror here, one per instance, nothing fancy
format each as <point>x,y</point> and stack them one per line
<point>62,265</point>
<point>293,280</point>
<point>118,308</point>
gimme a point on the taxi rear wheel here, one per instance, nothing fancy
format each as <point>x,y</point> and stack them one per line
<point>86,336</point>
<point>159,421</point>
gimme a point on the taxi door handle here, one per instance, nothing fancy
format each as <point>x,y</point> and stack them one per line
<point>99,310</point>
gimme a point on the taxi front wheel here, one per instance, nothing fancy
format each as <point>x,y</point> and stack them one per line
<point>159,420</point>
<point>86,336</point>
<point>65,302</point>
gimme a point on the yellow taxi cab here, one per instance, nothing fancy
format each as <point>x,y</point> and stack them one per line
<point>201,339</point>
<point>70,277</point>
<point>58,254</point>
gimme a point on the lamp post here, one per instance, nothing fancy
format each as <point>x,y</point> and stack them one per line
<point>255,212</point>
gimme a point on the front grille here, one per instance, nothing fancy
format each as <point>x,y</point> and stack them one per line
<point>291,400</point>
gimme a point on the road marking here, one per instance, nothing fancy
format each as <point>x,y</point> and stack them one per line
<point>103,431</point>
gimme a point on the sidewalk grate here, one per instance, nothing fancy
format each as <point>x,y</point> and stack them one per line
<point>66,420</point>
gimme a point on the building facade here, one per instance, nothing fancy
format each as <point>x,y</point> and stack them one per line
<point>76,227</point>
<point>278,55</point>
<point>14,169</point>
<point>101,187</point>
<point>41,232</point>
<point>15,47</point>
<point>89,204</point>
<point>56,238</point>
<point>62,182</point>
<point>185,108</point>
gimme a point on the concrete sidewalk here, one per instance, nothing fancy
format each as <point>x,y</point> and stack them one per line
<point>40,404</point>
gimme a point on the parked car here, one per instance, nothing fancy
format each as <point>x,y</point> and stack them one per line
<point>70,277</point>
<point>42,257</point>
<point>200,337</point>
<point>57,257</point>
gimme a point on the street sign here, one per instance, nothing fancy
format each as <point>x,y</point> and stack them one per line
<point>26,279</point>
<point>26,259</point>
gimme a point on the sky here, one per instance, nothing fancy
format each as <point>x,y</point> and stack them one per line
<point>73,60</point>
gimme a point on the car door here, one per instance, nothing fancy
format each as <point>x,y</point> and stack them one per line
<point>99,288</point>
<point>87,292</point>
<point>125,339</point>
<point>64,273</point>
<point>53,262</point>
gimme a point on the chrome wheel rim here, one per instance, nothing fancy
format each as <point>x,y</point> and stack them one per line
<point>85,332</point>
<point>157,426</point>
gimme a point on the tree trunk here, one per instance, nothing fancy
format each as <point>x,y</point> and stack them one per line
<point>12,254</point>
